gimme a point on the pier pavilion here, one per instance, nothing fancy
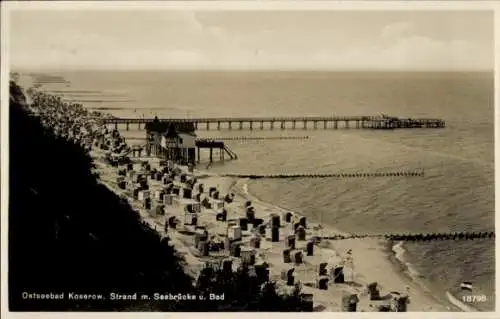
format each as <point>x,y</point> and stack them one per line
<point>178,142</point>
<point>172,141</point>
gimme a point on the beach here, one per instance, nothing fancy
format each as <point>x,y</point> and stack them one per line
<point>370,266</point>
<point>372,258</point>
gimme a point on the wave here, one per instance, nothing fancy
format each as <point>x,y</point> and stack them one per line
<point>240,187</point>
<point>74,91</point>
<point>105,108</point>
<point>409,269</point>
<point>91,96</point>
<point>399,253</point>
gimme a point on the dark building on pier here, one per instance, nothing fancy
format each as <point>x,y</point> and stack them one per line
<point>171,141</point>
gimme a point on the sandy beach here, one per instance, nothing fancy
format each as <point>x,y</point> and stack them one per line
<point>369,261</point>
<point>371,264</point>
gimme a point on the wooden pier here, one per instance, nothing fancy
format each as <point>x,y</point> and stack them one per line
<point>212,144</point>
<point>308,122</point>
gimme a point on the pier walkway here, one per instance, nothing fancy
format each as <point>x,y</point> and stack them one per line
<point>258,138</point>
<point>305,122</point>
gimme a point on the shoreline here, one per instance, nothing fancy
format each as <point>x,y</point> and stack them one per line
<point>395,254</point>
<point>393,251</point>
<point>386,249</point>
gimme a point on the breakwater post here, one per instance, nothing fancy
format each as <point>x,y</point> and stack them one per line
<point>418,236</point>
<point>330,175</point>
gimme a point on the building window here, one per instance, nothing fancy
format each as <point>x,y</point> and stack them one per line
<point>180,140</point>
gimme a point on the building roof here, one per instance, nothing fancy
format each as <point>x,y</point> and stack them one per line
<point>157,126</point>
<point>171,132</point>
<point>161,126</point>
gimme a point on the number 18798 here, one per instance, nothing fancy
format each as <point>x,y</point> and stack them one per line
<point>474,298</point>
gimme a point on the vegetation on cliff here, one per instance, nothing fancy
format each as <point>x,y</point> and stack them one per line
<point>68,233</point>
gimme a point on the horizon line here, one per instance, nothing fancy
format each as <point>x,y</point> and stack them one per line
<point>227,70</point>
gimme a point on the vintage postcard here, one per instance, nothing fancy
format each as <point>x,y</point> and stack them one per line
<point>249,157</point>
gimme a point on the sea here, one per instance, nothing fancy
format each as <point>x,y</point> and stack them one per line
<point>456,193</point>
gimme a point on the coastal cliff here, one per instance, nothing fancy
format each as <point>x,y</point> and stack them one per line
<point>74,245</point>
<point>67,233</point>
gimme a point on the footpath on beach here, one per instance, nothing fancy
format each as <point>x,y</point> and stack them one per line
<point>213,225</point>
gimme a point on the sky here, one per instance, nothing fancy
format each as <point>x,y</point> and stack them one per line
<point>252,40</point>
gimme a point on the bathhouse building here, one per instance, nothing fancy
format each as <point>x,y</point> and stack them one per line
<point>171,141</point>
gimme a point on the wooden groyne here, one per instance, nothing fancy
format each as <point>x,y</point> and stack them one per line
<point>330,175</point>
<point>304,122</point>
<point>418,236</point>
